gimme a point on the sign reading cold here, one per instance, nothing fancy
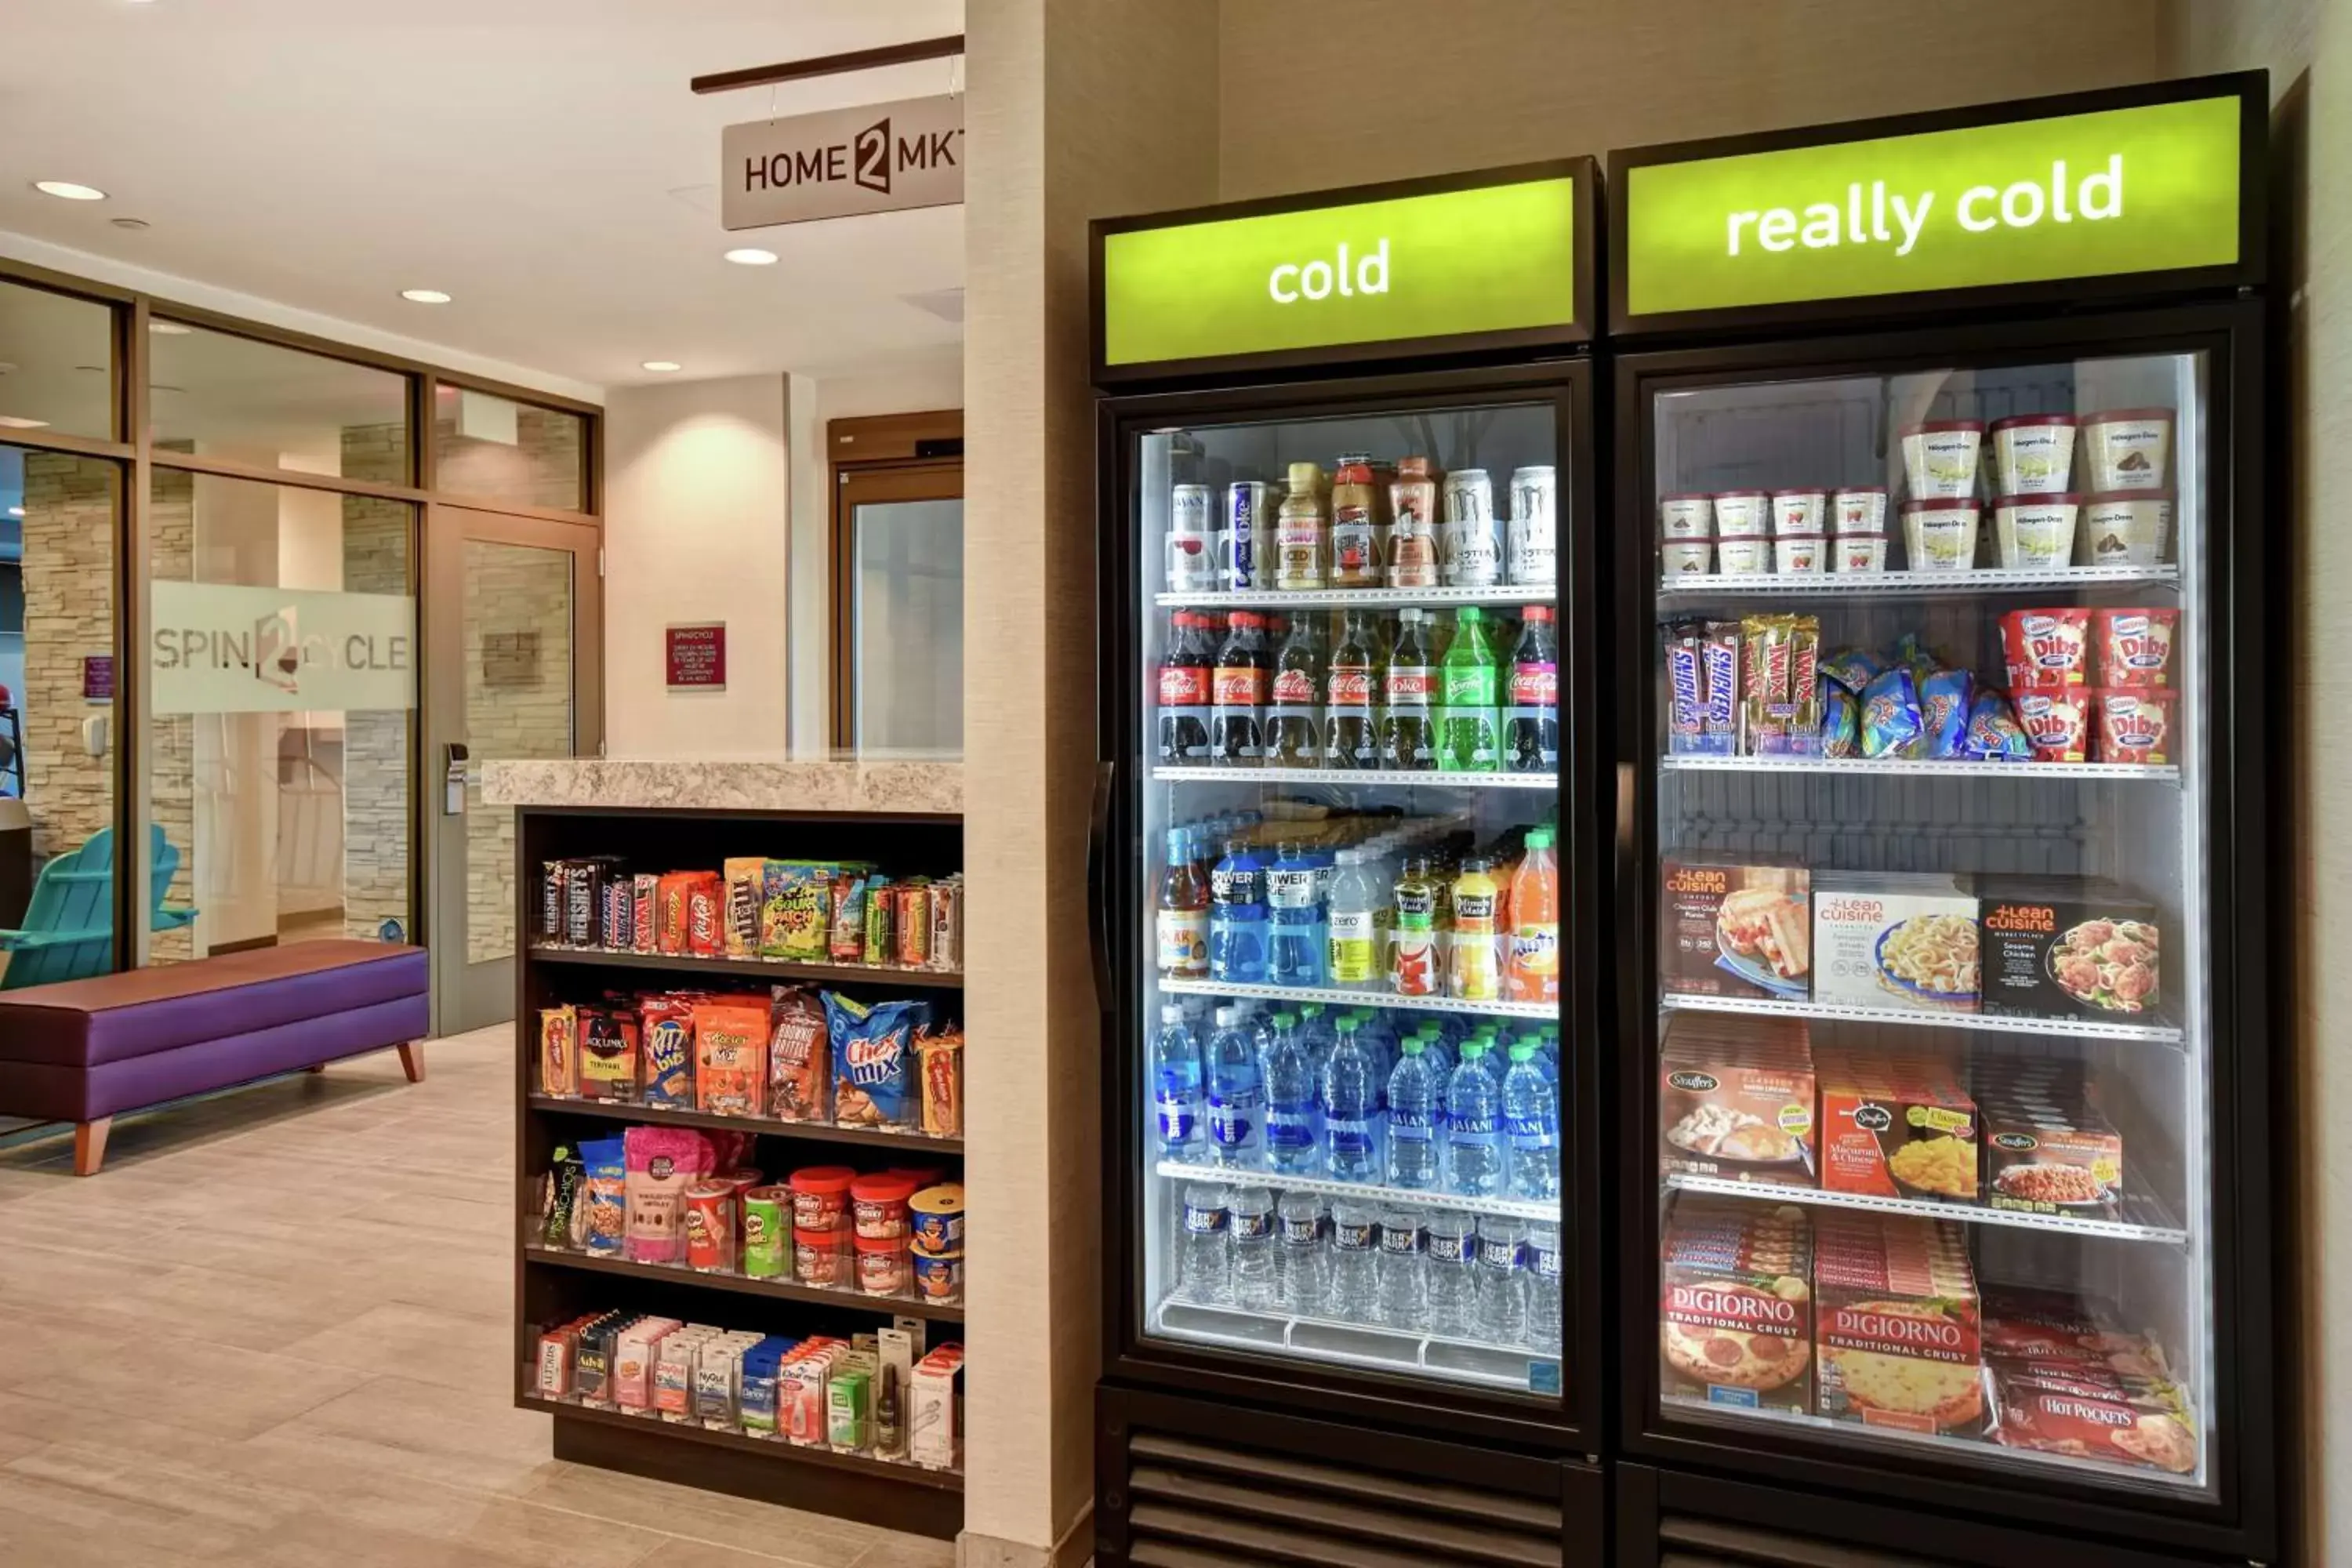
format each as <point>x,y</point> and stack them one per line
<point>1489,259</point>
<point>220,648</point>
<point>2145,189</point>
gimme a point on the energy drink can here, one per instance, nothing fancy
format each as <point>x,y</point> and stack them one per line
<point>1471,542</point>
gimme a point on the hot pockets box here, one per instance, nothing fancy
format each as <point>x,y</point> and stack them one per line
<point>2084,950</point>
<point>1729,930</point>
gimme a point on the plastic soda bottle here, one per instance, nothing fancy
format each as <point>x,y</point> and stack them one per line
<point>1469,736</point>
<point>1531,972</point>
<point>1473,1158</point>
<point>1249,1238</point>
<point>1472,968</point>
<point>1201,1263</point>
<point>1356,900</point>
<point>1414,1120</point>
<point>1237,916</point>
<point>1531,718</point>
<point>1184,916</point>
<point>1237,685</point>
<point>1236,1095</point>
<point>1294,721</point>
<point>1408,734</point>
<point>1351,1111</point>
<point>1349,738</point>
<point>1176,1068</point>
<point>1530,1127</point>
<point>1295,939</point>
<point>1290,1148</point>
<point>1184,679</point>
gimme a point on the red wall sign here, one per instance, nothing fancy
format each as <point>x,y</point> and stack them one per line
<point>97,678</point>
<point>697,654</point>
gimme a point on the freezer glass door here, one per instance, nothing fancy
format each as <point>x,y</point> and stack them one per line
<point>1351,946</point>
<point>1933,1072</point>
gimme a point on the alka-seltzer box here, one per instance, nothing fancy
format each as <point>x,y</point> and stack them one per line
<point>1735,1099</point>
<point>1734,1308</point>
<point>1893,940</point>
<point>931,1435</point>
<point>1729,930</point>
<point>2069,951</point>
<point>1898,1322</point>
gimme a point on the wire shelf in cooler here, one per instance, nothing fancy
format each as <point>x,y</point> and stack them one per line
<point>1250,599</point>
<point>1996,1023</point>
<point>1337,998</point>
<point>1902,584</point>
<point>1371,1345</point>
<point>2153,1224</point>
<point>1546,1211</point>
<point>1355,778</point>
<point>1850,767</point>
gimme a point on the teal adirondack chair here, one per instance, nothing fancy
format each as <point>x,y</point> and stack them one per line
<point>69,931</point>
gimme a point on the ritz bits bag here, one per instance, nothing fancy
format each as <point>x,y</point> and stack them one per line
<point>800,1059</point>
<point>875,1081</point>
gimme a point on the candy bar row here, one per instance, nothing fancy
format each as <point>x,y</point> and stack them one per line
<point>806,911</point>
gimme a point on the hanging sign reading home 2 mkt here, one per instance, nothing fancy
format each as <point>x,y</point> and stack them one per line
<point>1487,260</point>
<point>2146,189</point>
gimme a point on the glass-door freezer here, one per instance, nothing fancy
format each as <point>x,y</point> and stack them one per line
<point>1351,1103</point>
<point>1939,657</point>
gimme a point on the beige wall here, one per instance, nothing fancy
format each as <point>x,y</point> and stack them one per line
<point>1478,83</point>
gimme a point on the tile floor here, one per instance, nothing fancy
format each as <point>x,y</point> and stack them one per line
<point>274,1331</point>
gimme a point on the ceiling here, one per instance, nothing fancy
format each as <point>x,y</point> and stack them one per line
<point>542,161</point>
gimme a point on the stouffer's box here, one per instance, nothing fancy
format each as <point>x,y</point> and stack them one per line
<point>1897,1126</point>
<point>2069,951</point>
<point>1735,1099</point>
<point>1735,1306</point>
<point>1732,929</point>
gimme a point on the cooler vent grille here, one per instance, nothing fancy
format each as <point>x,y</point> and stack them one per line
<point>1196,1504</point>
<point>1687,1542</point>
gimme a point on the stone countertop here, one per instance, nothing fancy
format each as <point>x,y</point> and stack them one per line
<point>730,783</point>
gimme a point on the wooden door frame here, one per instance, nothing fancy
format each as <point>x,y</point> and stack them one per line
<point>924,448</point>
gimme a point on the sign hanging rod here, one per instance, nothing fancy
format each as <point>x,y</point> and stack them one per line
<point>832,65</point>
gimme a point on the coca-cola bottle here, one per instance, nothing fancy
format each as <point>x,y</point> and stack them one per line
<point>1532,710</point>
<point>1184,692</point>
<point>1293,729</point>
<point>1350,739</point>
<point>1237,694</point>
<point>1408,730</point>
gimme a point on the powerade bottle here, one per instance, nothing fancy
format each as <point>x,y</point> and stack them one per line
<point>1530,1127</point>
<point>1296,939</point>
<point>1474,1156</point>
<point>1413,1120</point>
<point>1351,1111</point>
<point>1236,1095</point>
<point>1290,1148</point>
<point>1237,916</point>
<point>1176,1066</point>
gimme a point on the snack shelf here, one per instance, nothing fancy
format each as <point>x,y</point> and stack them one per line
<point>1839,1013</point>
<point>1370,1345</point>
<point>761,1126</point>
<point>1275,598</point>
<point>743,1284</point>
<point>773,1447</point>
<point>1337,998</point>
<point>1546,1211</point>
<point>2158,1227</point>
<point>1354,778</point>
<point>1893,584</point>
<point>1849,767</point>
<point>758,971</point>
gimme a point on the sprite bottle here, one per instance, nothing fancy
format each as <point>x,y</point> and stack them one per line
<point>1469,726</point>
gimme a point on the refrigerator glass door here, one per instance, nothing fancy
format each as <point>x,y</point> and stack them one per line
<point>1934,1075</point>
<point>1349,953</point>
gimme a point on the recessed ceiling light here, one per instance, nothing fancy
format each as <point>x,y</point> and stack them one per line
<point>128,223</point>
<point>169,329</point>
<point>425,296</point>
<point>750,256</point>
<point>659,365</point>
<point>67,191</point>
<point>15,422</point>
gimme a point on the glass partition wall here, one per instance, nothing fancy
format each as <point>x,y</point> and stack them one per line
<point>212,653</point>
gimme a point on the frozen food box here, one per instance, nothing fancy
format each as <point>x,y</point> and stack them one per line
<point>2048,1147</point>
<point>2069,951</point>
<point>1898,1322</point>
<point>1895,939</point>
<point>1730,929</point>
<point>1735,1306</point>
<point>1735,1099</point>
<point>1898,1126</point>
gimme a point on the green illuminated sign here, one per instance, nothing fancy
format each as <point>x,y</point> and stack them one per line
<point>2079,196</point>
<point>1492,259</point>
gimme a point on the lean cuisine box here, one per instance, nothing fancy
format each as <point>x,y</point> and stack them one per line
<point>1895,939</point>
<point>1732,929</point>
<point>2069,951</point>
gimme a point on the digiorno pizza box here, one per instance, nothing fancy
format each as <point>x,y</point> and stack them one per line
<point>1735,1306</point>
<point>2069,951</point>
<point>1898,1324</point>
<point>1727,929</point>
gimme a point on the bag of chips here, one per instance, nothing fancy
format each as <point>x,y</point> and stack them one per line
<point>608,1054</point>
<point>1853,668</point>
<point>874,1079</point>
<point>666,1039</point>
<point>730,1051</point>
<point>1841,720</point>
<point>603,1196</point>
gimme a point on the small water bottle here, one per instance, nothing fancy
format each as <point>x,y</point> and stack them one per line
<point>1200,1264</point>
<point>1414,1119</point>
<point>1452,1289</point>
<point>1355,1253</point>
<point>1249,1238</point>
<point>1236,1095</point>
<point>1543,1287</point>
<point>1474,1155</point>
<point>1290,1144</point>
<point>1530,1127</point>
<point>1302,1265</point>
<point>1351,1111</point>
<point>1403,1290</point>
<point>1176,1064</point>
<point>1502,1283</point>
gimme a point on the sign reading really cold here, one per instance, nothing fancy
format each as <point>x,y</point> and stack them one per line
<point>2144,189</point>
<point>1486,259</point>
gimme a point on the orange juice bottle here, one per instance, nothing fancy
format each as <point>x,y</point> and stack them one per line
<point>1532,970</point>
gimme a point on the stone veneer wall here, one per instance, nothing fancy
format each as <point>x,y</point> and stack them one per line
<point>518,704</point>
<point>542,469</point>
<point>68,614</point>
<point>379,543</point>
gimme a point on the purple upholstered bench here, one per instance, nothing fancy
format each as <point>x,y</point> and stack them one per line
<point>82,1050</point>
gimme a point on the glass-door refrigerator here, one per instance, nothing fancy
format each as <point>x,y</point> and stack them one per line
<point>1345,873</point>
<point>1944,615</point>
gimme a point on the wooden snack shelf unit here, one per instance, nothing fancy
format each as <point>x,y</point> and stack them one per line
<point>552,1284</point>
